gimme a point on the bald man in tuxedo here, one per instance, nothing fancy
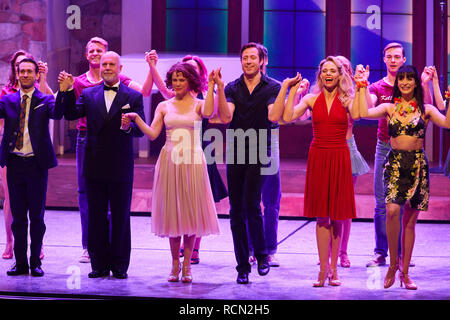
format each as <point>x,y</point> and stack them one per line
<point>108,165</point>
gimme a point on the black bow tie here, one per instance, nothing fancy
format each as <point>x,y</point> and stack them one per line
<point>110,88</point>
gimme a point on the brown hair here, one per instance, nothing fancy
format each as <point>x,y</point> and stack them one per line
<point>393,45</point>
<point>253,45</point>
<point>12,81</point>
<point>202,68</point>
<point>36,67</point>
<point>189,72</point>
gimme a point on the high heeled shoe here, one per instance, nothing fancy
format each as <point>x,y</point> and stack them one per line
<point>195,258</point>
<point>405,279</point>
<point>9,251</point>
<point>333,278</point>
<point>345,262</point>
<point>186,275</point>
<point>321,279</point>
<point>175,273</point>
<point>390,276</point>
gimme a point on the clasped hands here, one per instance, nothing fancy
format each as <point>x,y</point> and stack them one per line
<point>65,81</point>
<point>361,74</point>
<point>429,73</point>
<point>126,120</point>
<point>151,57</point>
<point>297,83</point>
<point>215,77</point>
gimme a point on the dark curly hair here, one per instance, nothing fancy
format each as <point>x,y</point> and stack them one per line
<point>202,68</point>
<point>189,72</point>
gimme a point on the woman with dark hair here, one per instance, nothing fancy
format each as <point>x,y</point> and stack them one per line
<point>12,87</point>
<point>182,200</point>
<point>329,194</point>
<point>218,187</point>
<point>406,175</point>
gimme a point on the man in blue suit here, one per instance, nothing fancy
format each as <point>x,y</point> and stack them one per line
<point>108,165</point>
<point>28,153</point>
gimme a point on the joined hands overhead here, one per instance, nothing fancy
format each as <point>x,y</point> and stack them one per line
<point>361,73</point>
<point>215,77</point>
<point>151,58</point>
<point>65,81</point>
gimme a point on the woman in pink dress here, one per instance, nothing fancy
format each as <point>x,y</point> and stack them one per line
<point>182,200</point>
<point>329,194</point>
<point>12,87</point>
<point>217,185</point>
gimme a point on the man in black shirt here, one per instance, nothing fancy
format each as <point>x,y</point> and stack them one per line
<point>247,105</point>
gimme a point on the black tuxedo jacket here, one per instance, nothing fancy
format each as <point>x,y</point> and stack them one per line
<point>42,109</point>
<point>109,150</point>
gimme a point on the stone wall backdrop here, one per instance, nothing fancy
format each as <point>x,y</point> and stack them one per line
<point>102,18</point>
<point>22,26</point>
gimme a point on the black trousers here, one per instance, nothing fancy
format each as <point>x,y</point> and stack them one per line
<point>109,248</point>
<point>244,192</point>
<point>27,184</point>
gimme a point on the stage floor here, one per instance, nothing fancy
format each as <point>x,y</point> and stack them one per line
<point>62,189</point>
<point>215,276</point>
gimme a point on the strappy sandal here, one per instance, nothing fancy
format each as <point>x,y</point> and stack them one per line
<point>345,262</point>
<point>197,259</point>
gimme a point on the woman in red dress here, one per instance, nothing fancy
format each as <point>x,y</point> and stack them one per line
<point>329,194</point>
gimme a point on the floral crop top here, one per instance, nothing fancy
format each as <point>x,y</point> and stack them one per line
<point>415,128</point>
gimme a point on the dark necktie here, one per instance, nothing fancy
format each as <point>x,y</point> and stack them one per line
<point>110,88</point>
<point>23,110</point>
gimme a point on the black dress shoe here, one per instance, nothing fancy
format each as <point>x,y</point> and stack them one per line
<point>263,266</point>
<point>17,270</point>
<point>120,275</point>
<point>37,272</point>
<point>242,278</point>
<point>98,273</point>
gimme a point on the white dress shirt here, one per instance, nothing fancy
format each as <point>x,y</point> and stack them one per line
<point>27,149</point>
<point>110,95</point>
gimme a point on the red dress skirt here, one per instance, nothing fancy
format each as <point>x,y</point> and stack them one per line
<point>329,186</point>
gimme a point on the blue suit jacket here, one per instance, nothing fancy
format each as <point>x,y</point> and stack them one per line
<point>109,150</point>
<point>42,109</point>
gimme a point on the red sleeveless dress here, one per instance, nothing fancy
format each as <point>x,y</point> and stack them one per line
<point>329,187</point>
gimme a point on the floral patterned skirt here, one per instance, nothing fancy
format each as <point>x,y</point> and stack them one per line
<point>406,177</point>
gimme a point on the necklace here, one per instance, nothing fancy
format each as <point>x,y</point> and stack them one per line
<point>401,109</point>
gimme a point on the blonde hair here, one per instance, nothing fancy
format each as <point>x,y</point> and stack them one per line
<point>393,45</point>
<point>345,85</point>
<point>98,40</point>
